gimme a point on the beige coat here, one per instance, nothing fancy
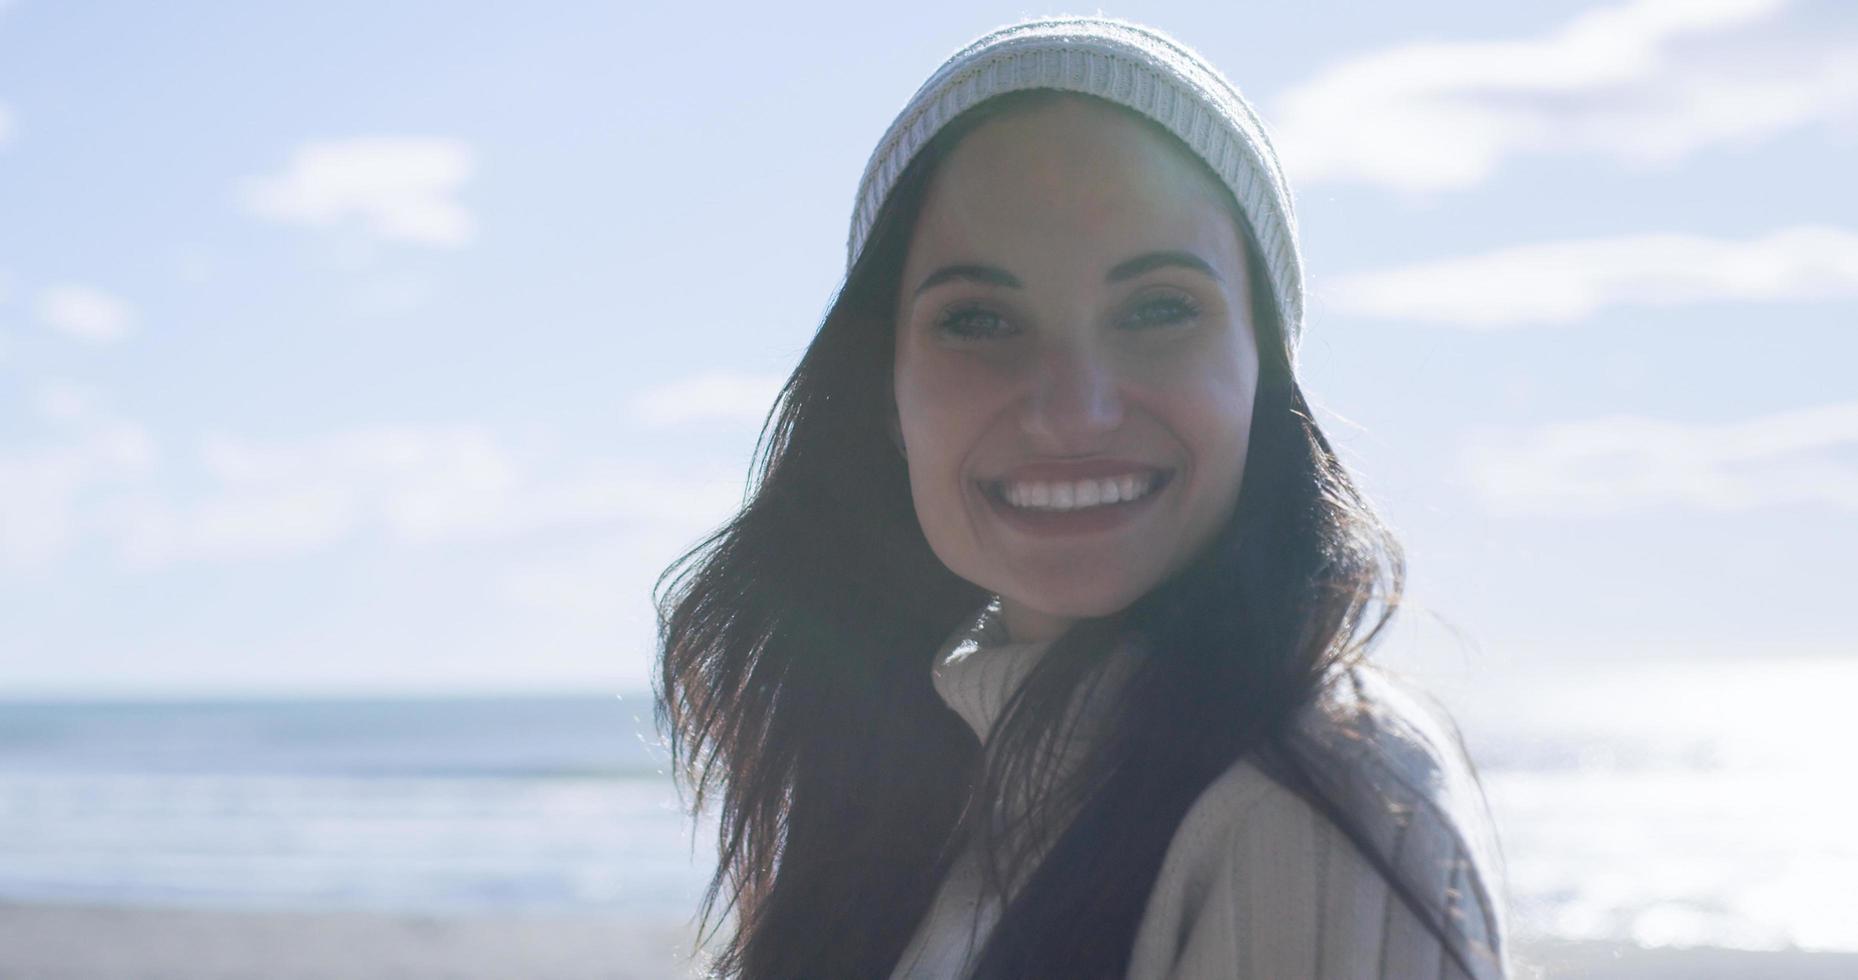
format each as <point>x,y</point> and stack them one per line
<point>1256,883</point>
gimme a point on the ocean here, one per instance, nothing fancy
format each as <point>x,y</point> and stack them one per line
<point>465,805</point>
<point>1658,804</point>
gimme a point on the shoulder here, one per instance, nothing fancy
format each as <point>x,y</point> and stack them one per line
<point>1259,880</point>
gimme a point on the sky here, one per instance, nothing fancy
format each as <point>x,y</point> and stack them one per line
<point>353,348</point>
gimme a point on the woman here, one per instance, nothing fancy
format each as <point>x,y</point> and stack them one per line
<point>1036,650</point>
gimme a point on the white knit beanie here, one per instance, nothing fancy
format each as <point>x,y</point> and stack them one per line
<point>1131,65</point>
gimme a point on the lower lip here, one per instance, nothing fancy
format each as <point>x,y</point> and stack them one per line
<point>1084,520</point>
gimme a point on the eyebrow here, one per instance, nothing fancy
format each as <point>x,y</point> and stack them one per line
<point>993,275</point>
<point>1150,261</point>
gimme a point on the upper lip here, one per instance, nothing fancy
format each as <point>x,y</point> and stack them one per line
<point>1059,471</point>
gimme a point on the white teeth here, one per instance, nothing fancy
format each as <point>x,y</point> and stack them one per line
<point>1079,494</point>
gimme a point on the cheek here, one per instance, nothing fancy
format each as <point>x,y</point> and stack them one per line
<point>1214,416</point>
<point>943,404</point>
<point>942,414</point>
<point>937,437</point>
<point>1227,415</point>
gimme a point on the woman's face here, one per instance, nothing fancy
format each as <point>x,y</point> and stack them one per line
<point>1075,362</point>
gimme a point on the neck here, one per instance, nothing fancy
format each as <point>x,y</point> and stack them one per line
<point>1025,624</point>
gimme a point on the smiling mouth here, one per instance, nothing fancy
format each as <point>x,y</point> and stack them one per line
<point>1053,496</point>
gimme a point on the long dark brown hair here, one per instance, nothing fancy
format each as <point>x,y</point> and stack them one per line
<point>795,675</point>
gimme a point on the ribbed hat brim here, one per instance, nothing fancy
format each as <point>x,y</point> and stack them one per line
<point>1131,65</point>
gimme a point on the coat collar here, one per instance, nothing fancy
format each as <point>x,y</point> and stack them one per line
<point>978,668</point>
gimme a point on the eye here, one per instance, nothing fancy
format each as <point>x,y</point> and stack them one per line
<point>1163,310</point>
<point>971,323</point>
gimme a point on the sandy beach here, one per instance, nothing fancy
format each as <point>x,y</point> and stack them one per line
<point>70,942</point>
<point>60,942</point>
<point>1618,961</point>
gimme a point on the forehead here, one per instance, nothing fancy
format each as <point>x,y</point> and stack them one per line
<point>1074,180</point>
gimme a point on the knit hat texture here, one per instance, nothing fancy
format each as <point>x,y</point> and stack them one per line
<point>1125,63</point>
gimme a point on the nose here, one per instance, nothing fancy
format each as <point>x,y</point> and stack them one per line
<point>1073,403</point>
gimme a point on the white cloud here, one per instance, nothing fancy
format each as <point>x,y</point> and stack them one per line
<point>294,498</point>
<point>6,124</point>
<point>418,485</point>
<point>608,578</point>
<point>46,493</point>
<point>64,401</point>
<point>1564,282</point>
<point>88,314</point>
<point>1607,465</point>
<point>398,188</point>
<point>720,396</point>
<point>1645,83</point>
<point>239,498</point>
